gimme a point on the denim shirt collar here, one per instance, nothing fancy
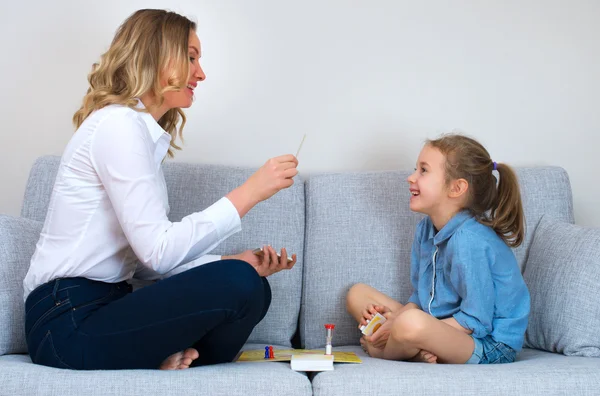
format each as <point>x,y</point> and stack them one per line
<point>450,228</point>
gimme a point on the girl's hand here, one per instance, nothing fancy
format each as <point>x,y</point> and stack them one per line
<point>370,311</point>
<point>380,337</point>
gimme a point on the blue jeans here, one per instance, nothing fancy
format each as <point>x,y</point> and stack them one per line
<point>77,323</point>
<point>489,351</point>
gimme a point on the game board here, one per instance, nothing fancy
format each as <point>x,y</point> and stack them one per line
<point>285,355</point>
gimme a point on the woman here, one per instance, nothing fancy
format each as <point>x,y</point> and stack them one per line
<point>108,212</point>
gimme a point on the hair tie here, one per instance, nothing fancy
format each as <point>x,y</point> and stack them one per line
<point>495,166</point>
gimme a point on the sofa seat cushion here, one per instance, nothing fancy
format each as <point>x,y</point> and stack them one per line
<point>534,373</point>
<point>19,376</point>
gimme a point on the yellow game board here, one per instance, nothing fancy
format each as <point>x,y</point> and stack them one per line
<point>285,355</point>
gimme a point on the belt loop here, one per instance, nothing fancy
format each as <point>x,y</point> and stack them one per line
<point>55,290</point>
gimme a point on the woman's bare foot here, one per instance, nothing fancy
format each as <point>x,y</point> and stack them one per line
<point>424,357</point>
<point>180,360</point>
<point>370,349</point>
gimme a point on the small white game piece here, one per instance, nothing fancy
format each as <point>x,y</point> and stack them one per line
<point>302,142</point>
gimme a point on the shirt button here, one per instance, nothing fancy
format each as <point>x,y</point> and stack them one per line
<point>430,293</point>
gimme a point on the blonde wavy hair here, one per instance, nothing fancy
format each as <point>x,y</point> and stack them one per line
<point>149,46</point>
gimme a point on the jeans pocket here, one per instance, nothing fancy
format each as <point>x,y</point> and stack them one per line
<point>82,310</point>
<point>47,355</point>
<point>108,297</point>
<point>503,354</point>
<point>509,354</point>
<point>59,308</point>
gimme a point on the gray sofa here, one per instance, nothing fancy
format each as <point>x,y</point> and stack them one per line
<point>346,228</point>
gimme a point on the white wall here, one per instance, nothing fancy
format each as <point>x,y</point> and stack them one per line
<point>367,81</point>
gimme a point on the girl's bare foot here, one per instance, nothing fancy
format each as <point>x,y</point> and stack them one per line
<point>424,357</point>
<point>180,360</point>
<point>370,349</point>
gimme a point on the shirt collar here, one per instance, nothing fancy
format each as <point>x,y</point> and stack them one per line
<point>156,131</point>
<point>159,136</point>
<point>450,228</point>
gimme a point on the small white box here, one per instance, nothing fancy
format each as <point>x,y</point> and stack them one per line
<point>312,362</point>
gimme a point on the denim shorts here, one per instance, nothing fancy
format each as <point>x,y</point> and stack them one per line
<point>489,351</point>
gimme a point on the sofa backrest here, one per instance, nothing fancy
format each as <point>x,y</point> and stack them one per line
<point>278,221</point>
<point>359,228</point>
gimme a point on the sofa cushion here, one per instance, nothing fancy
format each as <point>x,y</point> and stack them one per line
<point>359,228</point>
<point>533,373</point>
<point>19,376</point>
<point>19,237</point>
<point>279,221</point>
<point>544,191</point>
<point>39,187</point>
<point>563,276</point>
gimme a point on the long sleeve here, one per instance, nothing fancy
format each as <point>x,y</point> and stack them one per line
<point>471,277</point>
<point>124,162</point>
<point>143,272</point>
<point>415,256</point>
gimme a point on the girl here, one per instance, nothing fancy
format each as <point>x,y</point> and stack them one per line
<point>109,210</point>
<point>470,303</point>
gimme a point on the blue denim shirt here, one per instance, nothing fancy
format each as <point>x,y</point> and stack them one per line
<point>477,279</point>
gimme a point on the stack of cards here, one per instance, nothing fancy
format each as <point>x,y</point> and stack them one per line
<point>373,324</point>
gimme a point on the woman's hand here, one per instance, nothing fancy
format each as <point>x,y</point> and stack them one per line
<point>275,175</point>
<point>268,263</point>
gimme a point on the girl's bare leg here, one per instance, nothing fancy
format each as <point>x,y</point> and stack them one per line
<point>416,335</point>
<point>361,295</point>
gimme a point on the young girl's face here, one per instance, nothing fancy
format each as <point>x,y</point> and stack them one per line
<point>427,184</point>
